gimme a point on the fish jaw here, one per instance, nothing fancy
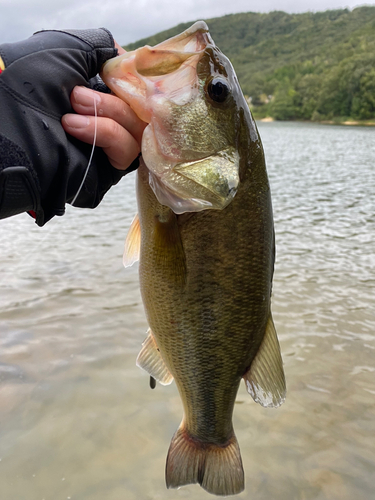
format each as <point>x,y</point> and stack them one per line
<point>207,183</point>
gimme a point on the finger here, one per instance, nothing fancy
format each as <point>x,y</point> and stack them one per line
<point>118,144</point>
<point>108,106</point>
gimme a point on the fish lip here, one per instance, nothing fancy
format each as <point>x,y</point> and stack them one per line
<point>198,28</point>
<point>217,173</point>
<point>168,196</point>
<point>225,195</point>
<point>198,33</point>
<point>183,202</point>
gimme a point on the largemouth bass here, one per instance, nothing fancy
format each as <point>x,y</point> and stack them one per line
<point>206,248</point>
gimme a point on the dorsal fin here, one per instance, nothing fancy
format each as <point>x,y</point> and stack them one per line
<point>265,379</point>
<point>132,243</point>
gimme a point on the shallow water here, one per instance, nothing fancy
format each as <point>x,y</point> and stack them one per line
<point>77,417</point>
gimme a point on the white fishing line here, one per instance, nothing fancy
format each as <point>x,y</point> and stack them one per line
<point>92,153</point>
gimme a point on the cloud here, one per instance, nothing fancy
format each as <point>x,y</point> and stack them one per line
<point>128,20</point>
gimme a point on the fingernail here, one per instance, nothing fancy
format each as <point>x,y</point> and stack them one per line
<point>76,121</point>
<point>86,97</point>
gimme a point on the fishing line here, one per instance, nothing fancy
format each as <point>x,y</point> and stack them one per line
<point>92,153</point>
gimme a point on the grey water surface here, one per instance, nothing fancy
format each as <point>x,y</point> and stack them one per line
<point>77,418</point>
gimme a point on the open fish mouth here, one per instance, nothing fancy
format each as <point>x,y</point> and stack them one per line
<point>188,172</point>
<point>137,75</point>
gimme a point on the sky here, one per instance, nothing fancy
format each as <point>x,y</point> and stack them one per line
<point>131,20</point>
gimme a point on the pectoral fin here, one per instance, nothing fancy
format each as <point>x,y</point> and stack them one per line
<point>265,380</point>
<point>132,243</point>
<point>150,360</point>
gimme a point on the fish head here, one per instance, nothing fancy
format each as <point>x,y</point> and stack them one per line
<point>186,90</point>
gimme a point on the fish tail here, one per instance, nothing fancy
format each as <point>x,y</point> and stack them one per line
<point>217,468</point>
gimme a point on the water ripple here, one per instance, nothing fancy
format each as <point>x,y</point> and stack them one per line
<point>73,403</point>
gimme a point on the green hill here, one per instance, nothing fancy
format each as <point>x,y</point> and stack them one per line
<point>299,66</point>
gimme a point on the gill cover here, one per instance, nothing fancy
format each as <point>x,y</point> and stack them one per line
<point>188,147</point>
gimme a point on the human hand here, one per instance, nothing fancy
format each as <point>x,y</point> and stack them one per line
<point>38,160</point>
<point>119,130</point>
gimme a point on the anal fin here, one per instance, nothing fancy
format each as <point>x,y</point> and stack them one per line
<point>265,379</point>
<point>150,360</point>
<point>132,243</point>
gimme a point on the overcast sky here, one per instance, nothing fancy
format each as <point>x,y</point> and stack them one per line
<point>130,20</point>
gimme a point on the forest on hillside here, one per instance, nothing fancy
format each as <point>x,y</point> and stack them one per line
<point>310,66</point>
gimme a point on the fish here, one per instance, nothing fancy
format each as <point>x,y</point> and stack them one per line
<point>204,237</point>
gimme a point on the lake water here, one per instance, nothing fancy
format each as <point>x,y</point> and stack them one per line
<point>77,418</point>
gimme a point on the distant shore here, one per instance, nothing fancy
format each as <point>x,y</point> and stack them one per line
<point>362,123</point>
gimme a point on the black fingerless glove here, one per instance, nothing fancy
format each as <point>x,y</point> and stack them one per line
<point>41,167</point>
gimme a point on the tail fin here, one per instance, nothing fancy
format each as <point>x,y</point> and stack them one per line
<point>218,469</point>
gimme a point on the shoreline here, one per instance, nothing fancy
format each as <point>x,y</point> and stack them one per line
<point>356,123</point>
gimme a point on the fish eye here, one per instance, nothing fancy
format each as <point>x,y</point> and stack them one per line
<point>218,89</point>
